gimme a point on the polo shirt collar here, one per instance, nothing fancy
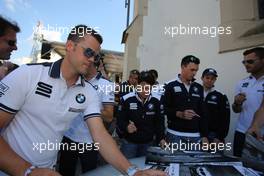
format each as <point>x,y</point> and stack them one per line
<point>139,99</point>
<point>96,77</point>
<point>250,77</point>
<point>55,72</point>
<point>178,78</point>
<point>211,90</point>
<point>99,75</point>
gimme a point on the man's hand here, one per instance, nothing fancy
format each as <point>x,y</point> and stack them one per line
<point>187,114</point>
<point>44,172</point>
<point>205,141</point>
<point>150,172</point>
<point>217,141</point>
<point>131,128</point>
<point>162,143</point>
<point>240,98</point>
<point>254,130</point>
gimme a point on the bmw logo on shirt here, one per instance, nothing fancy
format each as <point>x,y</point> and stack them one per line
<point>80,98</point>
<point>195,89</point>
<point>213,97</point>
<point>151,106</point>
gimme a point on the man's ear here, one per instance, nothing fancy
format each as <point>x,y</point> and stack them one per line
<point>69,45</point>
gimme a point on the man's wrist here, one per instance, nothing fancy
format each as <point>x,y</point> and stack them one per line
<point>179,114</point>
<point>237,104</point>
<point>29,170</point>
<point>132,170</point>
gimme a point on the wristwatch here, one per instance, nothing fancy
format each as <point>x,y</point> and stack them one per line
<point>132,170</point>
<point>29,170</point>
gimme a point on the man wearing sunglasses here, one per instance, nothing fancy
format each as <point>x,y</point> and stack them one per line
<point>8,31</point>
<point>78,132</point>
<point>249,94</point>
<point>38,103</point>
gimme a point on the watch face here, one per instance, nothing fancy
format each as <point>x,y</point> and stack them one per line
<point>132,170</point>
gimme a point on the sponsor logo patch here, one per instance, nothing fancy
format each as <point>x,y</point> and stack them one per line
<point>80,98</point>
<point>195,95</point>
<point>245,84</point>
<point>150,106</point>
<point>133,106</point>
<point>75,110</point>
<point>150,113</point>
<point>177,89</point>
<point>3,87</point>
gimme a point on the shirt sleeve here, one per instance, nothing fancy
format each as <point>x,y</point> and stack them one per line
<point>122,118</point>
<point>223,124</point>
<point>203,122</point>
<point>94,104</point>
<point>108,96</point>
<point>167,100</point>
<point>160,122</point>
<point>14,89</point>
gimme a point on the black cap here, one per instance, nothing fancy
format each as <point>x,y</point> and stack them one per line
<point>135,71</point>
<point>209,71</point>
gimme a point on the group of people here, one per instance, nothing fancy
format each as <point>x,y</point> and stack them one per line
<point>195,113</point>
<point>39,101</point>
<point>67,102</point>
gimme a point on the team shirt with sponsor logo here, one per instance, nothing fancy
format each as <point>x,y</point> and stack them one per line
<point>254,93</point>
<point>78,130</point>
<point>43,107</point>
<point>180,97</point>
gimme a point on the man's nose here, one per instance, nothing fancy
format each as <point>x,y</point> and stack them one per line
<point>14,47</point>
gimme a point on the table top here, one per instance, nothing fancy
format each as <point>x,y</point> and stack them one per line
<point>108,170</point>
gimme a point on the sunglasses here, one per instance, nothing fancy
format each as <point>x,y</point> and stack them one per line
<point>11,42</point>
<point>88,52</point>
<point>250,61</point>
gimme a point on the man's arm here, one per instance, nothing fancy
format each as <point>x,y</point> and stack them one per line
<point>108,147</point>
<point>109,150</point>
<point>167,101</point>
<point>224,118</point>
<point>258,121</point>
<point>10,162</point>
<point>107,112</point>
<point>160,123</point>
<point>122,118</point>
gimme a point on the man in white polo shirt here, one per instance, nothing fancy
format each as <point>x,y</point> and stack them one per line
<point>79,133</point>
<point>249,94</point>
<point>38,103</point>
